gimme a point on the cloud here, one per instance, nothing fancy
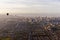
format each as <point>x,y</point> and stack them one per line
<point>31,6</point>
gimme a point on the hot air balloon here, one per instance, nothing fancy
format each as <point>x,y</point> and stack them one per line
<point>7,14</point>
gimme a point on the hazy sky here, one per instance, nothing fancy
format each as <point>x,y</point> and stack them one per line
<point>30,6</point>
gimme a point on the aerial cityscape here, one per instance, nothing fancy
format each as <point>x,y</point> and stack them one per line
<point>29,19</point>
<point>29,28</point>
